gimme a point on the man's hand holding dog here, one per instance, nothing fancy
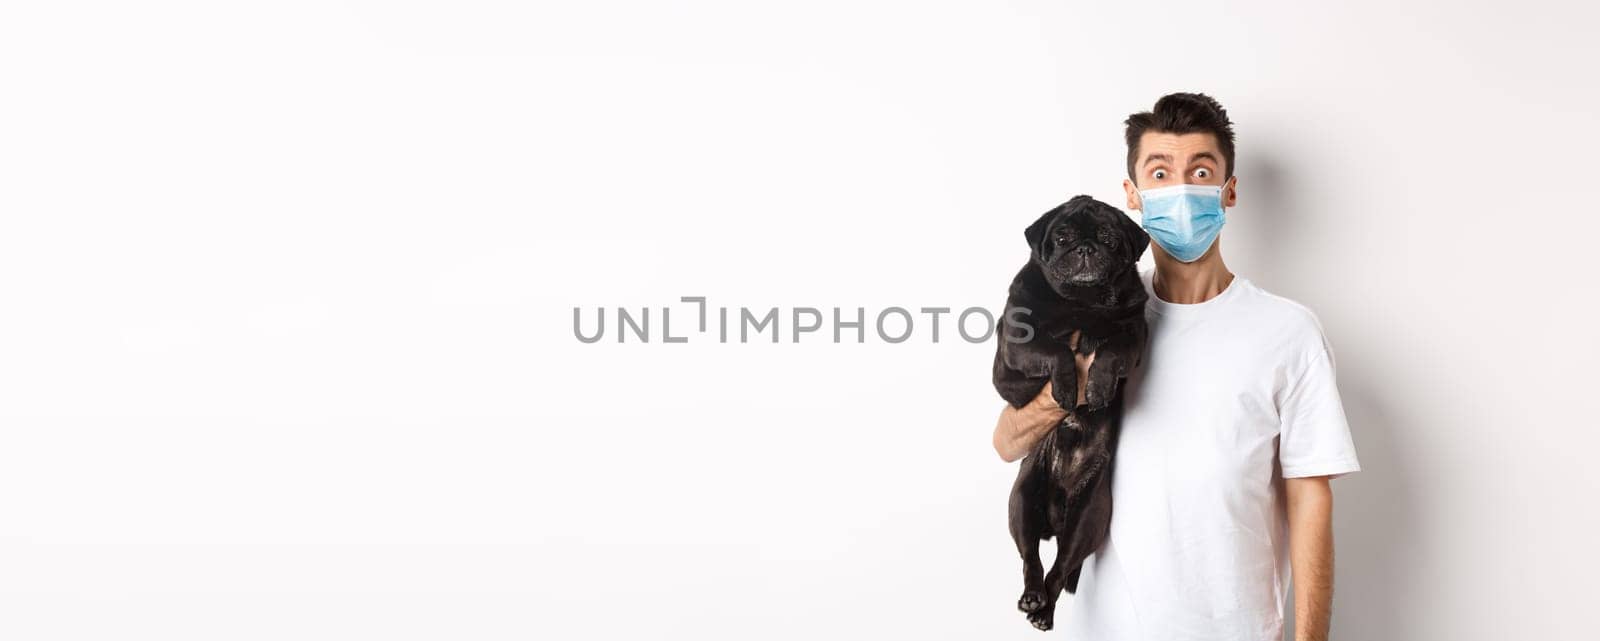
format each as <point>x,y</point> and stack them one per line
<point>1019,429</point>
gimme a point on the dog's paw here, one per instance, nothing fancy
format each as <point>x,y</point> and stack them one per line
<point>1099,392</point>
<point>1064,387</point>
<point>1065,400</point>
<point>1104,376</point>
<point>1031,600</point>
<point>1043,619</point>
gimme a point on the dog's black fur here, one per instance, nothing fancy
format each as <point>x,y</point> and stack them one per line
<point>1081,278</point>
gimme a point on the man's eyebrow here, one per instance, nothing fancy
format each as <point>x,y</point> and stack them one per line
<point>1205,154</point>
<point>1162,157</point>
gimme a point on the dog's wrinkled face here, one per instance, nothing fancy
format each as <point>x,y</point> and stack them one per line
<point>1085,243</point>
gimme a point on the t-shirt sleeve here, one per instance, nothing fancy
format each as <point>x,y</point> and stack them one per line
<point>1314,438</point>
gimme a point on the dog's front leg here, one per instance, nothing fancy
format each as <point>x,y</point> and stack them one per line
<point>1064,380</point>
<point>1020,369</point>
<point>1113,361</point>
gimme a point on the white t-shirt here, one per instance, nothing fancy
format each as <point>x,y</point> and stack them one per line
<point>1235,394</point>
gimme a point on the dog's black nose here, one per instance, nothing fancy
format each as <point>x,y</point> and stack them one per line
<point>1083,250</point>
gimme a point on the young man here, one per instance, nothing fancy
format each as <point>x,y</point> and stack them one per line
<point>1232,427</point>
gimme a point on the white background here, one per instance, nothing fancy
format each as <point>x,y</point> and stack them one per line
<point>286,297</point>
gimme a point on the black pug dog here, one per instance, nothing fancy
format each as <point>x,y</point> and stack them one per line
<point>1080,292</point>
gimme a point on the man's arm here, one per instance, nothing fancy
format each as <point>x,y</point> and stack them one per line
<point>1018,430</point>
<point>1310,507</point>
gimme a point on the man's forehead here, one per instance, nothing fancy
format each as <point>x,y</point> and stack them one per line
<point>1177,147</point>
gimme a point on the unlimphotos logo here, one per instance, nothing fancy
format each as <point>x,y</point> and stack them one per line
<point>725,324</point>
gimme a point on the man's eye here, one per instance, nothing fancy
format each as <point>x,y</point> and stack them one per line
<point>1159,174</point>
<point>1202,173</point>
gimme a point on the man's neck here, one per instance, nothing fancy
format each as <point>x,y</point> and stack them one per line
<point>1190,283</point>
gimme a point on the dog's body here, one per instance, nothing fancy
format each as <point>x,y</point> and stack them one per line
<point>1082,294</point>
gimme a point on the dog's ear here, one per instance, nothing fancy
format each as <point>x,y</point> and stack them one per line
<point>1036,233</point>
<point>1139,239</point>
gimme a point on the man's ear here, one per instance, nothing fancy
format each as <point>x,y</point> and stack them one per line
<point>1036,233</point>
<point>1132,191</point>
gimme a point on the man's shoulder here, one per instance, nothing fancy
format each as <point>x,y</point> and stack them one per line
<point>1285,308</point>
<point>1281,315</point>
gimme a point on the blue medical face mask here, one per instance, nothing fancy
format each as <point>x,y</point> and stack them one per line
<point>1183,219</point>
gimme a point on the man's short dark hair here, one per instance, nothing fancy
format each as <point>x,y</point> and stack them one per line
<point>1182,113</point>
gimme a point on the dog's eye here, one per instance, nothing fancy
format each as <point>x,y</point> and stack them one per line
<point>1061,239</point>
<point>1108,238</point>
